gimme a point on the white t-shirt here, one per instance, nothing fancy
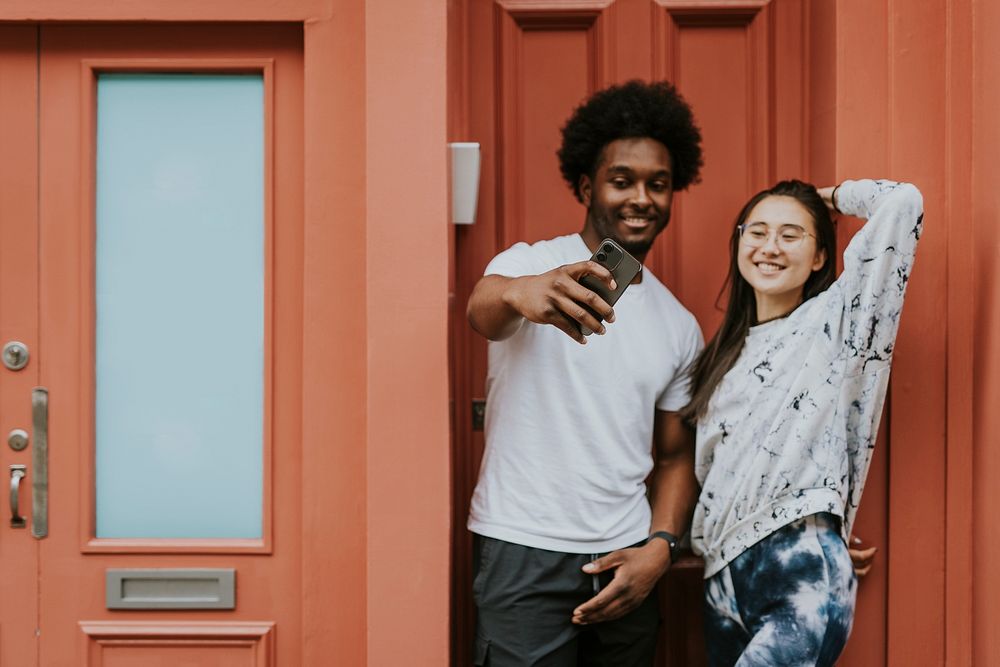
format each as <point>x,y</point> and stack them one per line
<point>790,430</point>
<point>569,427</point>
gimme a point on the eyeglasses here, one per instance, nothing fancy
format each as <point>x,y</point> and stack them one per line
<point>788,237</point>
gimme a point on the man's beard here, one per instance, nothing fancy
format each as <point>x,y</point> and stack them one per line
<point>603,223</point>
<point>636,247</point>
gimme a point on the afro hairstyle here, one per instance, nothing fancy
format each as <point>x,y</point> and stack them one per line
<point>631,110</point>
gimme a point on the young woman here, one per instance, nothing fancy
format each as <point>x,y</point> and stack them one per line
<point>787,397</point>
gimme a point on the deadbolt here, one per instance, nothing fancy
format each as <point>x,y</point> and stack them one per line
<point>17,439</point>
<point>15,355</point>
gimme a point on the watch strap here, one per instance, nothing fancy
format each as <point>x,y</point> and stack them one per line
<point>672,540</point>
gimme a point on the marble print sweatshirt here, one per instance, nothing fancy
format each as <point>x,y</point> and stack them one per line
<point>791,427</point>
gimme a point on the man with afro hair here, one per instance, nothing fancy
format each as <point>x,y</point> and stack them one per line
<point>568,548</point>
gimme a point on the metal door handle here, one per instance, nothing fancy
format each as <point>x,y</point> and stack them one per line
<point>17,472</point>
<point>40,462</point>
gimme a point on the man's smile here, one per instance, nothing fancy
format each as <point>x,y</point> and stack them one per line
<point>637,222</point>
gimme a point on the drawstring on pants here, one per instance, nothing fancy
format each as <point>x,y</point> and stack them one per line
<point>597,582</point>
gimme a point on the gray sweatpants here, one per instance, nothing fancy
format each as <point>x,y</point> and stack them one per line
<point>525,598</point>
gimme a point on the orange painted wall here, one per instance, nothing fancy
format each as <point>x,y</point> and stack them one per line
<point>407,280</point>
<point>376,346</point>
<point>903,82</point>
<point>961,360</point>
<point>334,419</point>
<point>985,230</point>
<point>376,281</point>
<point>913,101</point>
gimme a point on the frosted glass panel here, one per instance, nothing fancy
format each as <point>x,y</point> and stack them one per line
<point>180,305</point>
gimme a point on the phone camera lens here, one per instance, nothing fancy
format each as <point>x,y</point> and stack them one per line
<point>601,257</point>
<point>607,248</point>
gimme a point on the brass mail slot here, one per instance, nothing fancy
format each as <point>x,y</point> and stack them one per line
<point>189,588</point>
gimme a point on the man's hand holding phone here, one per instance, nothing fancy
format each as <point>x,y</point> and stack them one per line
<point>574,298</point>
<point>556,297</point>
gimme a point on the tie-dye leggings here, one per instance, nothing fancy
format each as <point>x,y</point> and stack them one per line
<point>788,600</point>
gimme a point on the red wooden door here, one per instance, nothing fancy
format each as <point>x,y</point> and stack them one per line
<point>90,594</point>
<point>745,69</point>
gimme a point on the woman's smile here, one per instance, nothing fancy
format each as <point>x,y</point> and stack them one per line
<point>769,268</point>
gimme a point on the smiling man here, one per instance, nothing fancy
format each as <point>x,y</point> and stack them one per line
<point>569,546</point>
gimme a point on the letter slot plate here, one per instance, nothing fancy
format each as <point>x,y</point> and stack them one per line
<point>171,588</point>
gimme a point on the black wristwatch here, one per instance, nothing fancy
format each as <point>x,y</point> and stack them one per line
<point>670,539</point>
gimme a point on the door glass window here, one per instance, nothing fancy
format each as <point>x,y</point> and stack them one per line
<point>179,306</point>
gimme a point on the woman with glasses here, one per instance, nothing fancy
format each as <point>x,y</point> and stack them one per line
<point>786,399</point>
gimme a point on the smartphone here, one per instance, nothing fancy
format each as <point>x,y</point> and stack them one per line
<point>623,266</point>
